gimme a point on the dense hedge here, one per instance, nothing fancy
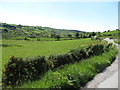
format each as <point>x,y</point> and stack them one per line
<point>78,54</point>
<point>62,59</point>
<point>18,70</point>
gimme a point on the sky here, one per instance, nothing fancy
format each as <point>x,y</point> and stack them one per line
<point>77,15</point>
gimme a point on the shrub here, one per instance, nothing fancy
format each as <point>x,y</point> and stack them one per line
<point>38,39</point>
<point>18,70</point>
<point>98,49</point>
<point>107,46</point>
<point>79,54</point>
<point>57,37</point>
<point>62,59</point>
<point>5,45</point>
<point>26,38</point>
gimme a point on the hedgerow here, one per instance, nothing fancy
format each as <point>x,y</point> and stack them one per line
<point>19,70</point>
<point>75,75</point>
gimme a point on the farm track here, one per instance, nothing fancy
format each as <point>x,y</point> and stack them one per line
<point>109,77</point>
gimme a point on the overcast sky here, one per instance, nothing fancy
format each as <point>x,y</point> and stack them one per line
<point>84,16</point>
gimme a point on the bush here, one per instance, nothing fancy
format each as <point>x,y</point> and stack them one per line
<point>18,70</point>
<point>78,55</point>
<point>5,45</point>
<point>62,59</point>
<point>97,49</point>
<point>38,39</point>
<point>26,38</point>
<point>107,46</point>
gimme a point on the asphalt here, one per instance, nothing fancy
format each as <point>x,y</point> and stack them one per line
<point>109,77</point>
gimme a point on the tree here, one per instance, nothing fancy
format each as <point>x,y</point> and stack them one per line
<point>5,30</point>
<point>93,33</point>
<point>89,35</point>
<point>77,35</point>
<point>57,37</point>
<point>26,38</point>
<point>99,34</point>
<point>70,36</point>
<point>53,35</point>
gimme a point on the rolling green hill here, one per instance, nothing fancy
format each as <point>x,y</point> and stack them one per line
<point>113,34</point>
<point>21,31</point>
<point>39,33</point>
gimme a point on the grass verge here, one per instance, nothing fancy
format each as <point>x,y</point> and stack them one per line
<point>74,75</point>
<point>117,41</point>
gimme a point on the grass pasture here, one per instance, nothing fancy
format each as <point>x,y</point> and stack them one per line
<point>22,48</point>
<point>113,34</point>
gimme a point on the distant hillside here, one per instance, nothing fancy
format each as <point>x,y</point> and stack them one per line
<point>24,32</point>
<point>113,33</point>
<point>13,30</point>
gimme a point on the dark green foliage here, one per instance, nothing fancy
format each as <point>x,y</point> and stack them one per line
<point>70,36</point>
<point>5,30</point>
<point>98,49</point>
<point>78,54</point>
<point>53,35</point>
<point>18,70</point>
<point>57,37</point>
<point>62,59</point>
<point>26,38</point>
<point>10,45</point>
<point>93,34</point>
<point>38,39</point>
<point>5,45</point>
<point>89,51</point>
<point>77,35</point>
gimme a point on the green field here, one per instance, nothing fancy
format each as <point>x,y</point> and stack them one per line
<point>22,48</point>
<point>113,34</point>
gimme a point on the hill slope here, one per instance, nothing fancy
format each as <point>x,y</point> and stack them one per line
<point>12,30</point>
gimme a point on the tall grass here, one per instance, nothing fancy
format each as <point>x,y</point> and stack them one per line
<point>74,75</point>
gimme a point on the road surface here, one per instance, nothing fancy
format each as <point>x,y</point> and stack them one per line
<point>109,77</point>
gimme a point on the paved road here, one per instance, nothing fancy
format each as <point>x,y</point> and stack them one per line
<point>109,78</point>
<point>112,80</point>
